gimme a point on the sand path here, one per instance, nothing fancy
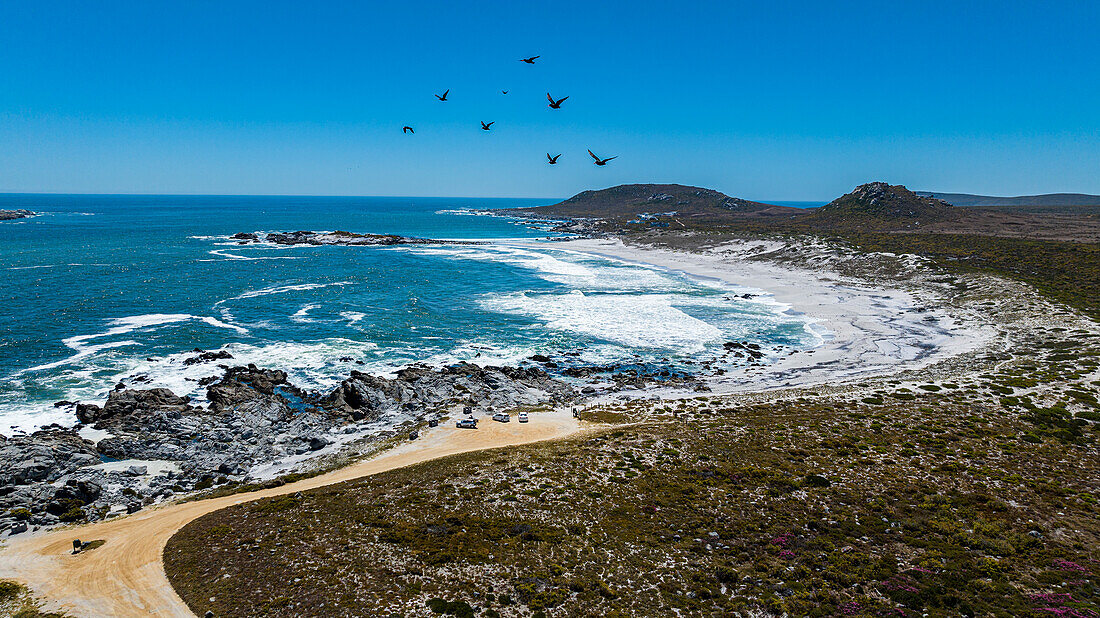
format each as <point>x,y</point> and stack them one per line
<point>125,577</point>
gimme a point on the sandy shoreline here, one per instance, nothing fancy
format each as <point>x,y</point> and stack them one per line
<point>869,330</point>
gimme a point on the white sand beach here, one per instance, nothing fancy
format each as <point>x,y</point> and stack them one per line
<point>867,330</point>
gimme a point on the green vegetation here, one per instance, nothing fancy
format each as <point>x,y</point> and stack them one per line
<point>943,502</point>
<point>1068,272</point>
<point>961,495</point>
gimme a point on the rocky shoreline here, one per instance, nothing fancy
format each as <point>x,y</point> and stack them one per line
<point>339,237</point>
<point>146,446</point>
<point>11,215</point>
<point>153,445</point>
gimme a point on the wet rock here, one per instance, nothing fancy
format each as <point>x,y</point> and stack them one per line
<point>206,357</point>
<point>244,384</point>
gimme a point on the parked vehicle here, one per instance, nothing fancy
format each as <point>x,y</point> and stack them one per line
<point>414,435</point>
<point>467,423</point>
<point>503,417</point>
<point>523,417</point>
<point>433,423</point>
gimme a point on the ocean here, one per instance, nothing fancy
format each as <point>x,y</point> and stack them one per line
<point>108,288</point>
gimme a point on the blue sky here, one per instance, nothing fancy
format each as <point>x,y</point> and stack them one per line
<point>765,100</point>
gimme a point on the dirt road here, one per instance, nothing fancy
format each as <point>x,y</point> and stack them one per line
<point>125,577</point>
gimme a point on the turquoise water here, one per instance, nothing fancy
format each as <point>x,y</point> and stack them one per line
<point>100,289</point>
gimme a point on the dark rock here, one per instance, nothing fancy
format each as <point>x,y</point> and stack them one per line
<point>20,213</point>
<point>27,459</point>
<point>206,357</point>
<point>127,401</point>
<point>244,384</point>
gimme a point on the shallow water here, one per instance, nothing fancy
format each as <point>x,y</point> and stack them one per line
<point>107,288</point>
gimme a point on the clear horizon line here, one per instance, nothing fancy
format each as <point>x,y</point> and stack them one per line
<point>137,194</point>
<point>470,197</point>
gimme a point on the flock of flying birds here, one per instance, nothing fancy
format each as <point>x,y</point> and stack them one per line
<point>554,104</point>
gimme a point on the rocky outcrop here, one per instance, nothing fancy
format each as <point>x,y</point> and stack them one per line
<point>124,402</point>
<point>882,204</point>
<point>419,388</point>
<point>206,357</point>
<point>43,456</point>
<point>21,213</point>
<point>339,237</point>
<point>246,386</point>
<point>254,417</point>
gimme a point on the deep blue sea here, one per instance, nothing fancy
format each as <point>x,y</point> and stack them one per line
<point>102,289</point>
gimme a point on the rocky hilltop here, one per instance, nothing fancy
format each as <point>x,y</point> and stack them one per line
<point>879,204</point>
<point>22,213</point>
<point>628,201</point>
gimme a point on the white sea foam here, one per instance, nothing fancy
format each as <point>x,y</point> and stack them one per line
<point>646,321</point>
<point>53,266</point>
<point>352,316</point>
<point>301,315</point>
<point>120,326</point>
<point>283,289</point>
<point>249,258</point>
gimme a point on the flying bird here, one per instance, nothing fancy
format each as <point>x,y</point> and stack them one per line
<point>530,60</point>
<point>503,92</point>
<point>485,127</point>
<point>555,104</point>
<point>553,160</point>
<point>600,161</point>
<point>407,130</point>
<point>443,97</point>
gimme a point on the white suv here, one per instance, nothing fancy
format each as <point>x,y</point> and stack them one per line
<point>503,417</point>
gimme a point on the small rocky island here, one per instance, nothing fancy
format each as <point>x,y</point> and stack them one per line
<point>11,215</point>
<point>338,237</point>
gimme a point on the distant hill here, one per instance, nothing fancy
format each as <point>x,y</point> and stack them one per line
<point>1047,199</point>
<point>632,200</point>
<point>879,205</point>
<point>875,207</point>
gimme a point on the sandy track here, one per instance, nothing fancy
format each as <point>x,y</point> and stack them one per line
<point>125,577</point>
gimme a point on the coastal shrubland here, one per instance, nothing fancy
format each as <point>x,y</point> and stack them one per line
<point>969,488</point>
<point>979,498</point>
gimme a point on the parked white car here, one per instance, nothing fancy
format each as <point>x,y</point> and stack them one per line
<point>503,417</point>
<point>523,417</point>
